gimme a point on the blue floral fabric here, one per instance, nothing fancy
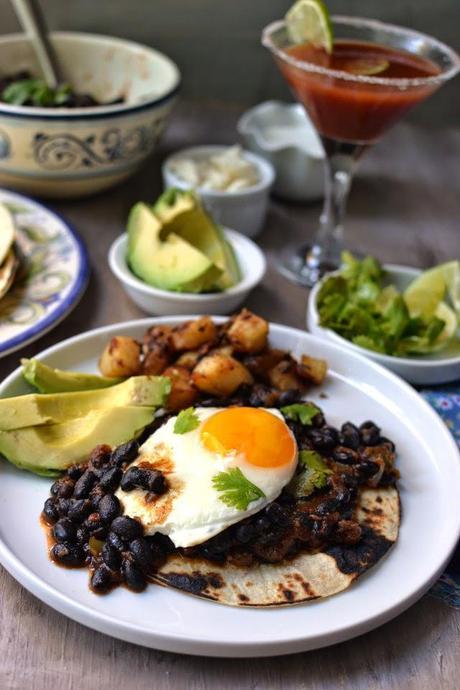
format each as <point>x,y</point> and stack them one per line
<point>446,402</point>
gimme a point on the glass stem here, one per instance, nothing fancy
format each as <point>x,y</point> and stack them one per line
<point>339,167</point>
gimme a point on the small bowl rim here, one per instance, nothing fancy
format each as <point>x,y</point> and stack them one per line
<point>246,128</point>
<point>122,272</point>
<point>98,111</point>
<point>384,359</point>
<point>263,165</point>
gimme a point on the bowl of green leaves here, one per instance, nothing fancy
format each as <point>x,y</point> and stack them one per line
<point>401,317</point>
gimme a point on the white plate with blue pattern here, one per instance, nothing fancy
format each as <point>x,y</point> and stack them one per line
<point>52,280</point>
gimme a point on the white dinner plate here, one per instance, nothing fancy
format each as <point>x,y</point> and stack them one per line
<point>53,280</point>
<point>356,389</point>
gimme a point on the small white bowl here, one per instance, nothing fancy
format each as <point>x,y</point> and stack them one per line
<point>244,210</point>
<point>163,302</point>
<point>283,134</point>
<point>439,367</point>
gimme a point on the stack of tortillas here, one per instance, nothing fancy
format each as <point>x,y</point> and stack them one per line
<point>9,259</point>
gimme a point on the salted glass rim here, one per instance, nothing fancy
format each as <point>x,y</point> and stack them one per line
<point>398,82</point>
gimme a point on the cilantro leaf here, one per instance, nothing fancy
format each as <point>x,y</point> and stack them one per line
<point>235,490</point>
<point>301,412</point>
<point>314,475</point>
<point>187,420</point>
<point>35,92</point>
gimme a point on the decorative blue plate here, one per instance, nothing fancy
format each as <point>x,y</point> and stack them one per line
<point>52,279</point>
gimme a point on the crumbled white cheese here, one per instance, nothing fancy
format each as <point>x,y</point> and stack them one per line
<point>228,171</point>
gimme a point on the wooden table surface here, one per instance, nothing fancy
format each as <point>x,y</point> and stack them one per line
<point>404,208</point>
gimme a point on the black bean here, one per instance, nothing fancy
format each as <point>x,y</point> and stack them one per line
<point>163,542</point>
<point>262,524</point>
<point>96,526</point>
<point>84,485</point>
<point>370,433</point>
<point>345,455</point>
<point>79,510</point>
<point>68,554</point>
<point>65,530</point>
<point>125,453</point>
<point>263,396</point>
<point>50,510</point>
<point>324,439</point>
<point>96,494</point>
<point>131,479</point>
<point>289,397</point>
<point>101,580</point>
<point>63,488</point>
<point>82,534</point>
<point>111,479</point>
<point>99,457</point>
<point>133,577</point>
<point>127,528</point>
<point>75,471</point>
<point>115,541</point>
<point>63,505</point>
<point>350,436</point>
<point>384,439</point>
<point>245,533</point>
<point>150,480</point>
<point>111,556</point>
<point>142,554</point>
<point>109,507</point>
<point>277,514</point>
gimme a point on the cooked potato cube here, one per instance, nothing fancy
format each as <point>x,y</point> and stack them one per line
<point>260,365</point>
<point>156,360</point>
<point>121,357</point>
<point>192,334</point>
<point>284,377</point>
<point>188,359</point>
<point>220,375</point>
<point>183,392</point>
<point>157,335</point>
<point>248,332</point>
<point>312,369</point>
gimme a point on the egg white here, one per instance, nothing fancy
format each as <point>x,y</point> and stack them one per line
<point>193,510</point>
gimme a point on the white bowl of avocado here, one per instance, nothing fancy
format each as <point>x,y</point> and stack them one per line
<point>174,259</point>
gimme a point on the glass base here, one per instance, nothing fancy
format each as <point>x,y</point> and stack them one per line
<point>303,266</point>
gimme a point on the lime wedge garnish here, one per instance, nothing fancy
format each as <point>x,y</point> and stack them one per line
<point>366,67</point>
<point>426,292</point>
<point>308,21</point>
<point>449,317</point>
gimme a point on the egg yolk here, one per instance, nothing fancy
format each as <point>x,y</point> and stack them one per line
<point>263,439</point>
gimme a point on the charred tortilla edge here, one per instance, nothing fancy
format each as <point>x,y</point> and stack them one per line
<point>306,577</point>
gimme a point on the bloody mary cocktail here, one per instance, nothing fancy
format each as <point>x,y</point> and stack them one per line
<point>356,111</point>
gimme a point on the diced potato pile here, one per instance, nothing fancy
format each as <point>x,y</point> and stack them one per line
<point>201,357</point>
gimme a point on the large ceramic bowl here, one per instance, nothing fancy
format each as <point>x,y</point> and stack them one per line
<point>72,152</point>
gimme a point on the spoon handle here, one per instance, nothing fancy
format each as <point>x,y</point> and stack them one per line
<point>34,25</point>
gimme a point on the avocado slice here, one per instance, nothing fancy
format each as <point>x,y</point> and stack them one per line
<point>47,450</point>
<point>168,262</point>
<point>182,213</point>
<point>38,409</point>
<point>49,380</point>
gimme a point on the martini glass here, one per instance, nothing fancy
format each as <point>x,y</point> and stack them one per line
<point>351,111</point>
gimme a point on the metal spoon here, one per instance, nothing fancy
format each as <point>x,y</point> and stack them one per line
<point>33,22</point>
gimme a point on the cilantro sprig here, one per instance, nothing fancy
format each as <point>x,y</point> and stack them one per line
<point>186,421</point>
<point>235,490</point>
<point>301,412</point>
<point>314,475</point>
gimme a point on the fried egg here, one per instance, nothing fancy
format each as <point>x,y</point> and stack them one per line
<point>257,441</point>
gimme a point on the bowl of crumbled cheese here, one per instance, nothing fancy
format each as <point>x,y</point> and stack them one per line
<point>233,184</point>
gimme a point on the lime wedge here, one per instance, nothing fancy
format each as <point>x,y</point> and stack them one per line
<point>426,292</point>
<point>447,315</point>
<point>308,21</point>
<point>366,67</point>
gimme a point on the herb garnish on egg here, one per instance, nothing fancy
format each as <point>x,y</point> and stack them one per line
<point>235,490</point>
<point>187,420</point>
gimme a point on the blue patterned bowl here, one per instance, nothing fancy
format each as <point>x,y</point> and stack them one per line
<point>73,152</point>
